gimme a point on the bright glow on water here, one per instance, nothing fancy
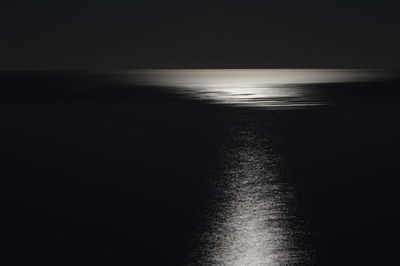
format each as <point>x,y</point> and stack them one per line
<point>262,88</point>
<point>253,209</point>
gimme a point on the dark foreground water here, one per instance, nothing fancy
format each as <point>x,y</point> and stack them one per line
<point>200,168</point>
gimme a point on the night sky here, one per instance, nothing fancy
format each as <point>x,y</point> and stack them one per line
<point>99,34</point>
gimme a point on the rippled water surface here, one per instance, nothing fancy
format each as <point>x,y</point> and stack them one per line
<point>257,88</point>
<point>200,167</point>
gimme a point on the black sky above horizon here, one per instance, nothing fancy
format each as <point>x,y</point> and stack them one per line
<point>103,34</point>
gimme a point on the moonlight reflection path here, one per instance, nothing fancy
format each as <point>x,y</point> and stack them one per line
<point>253,222</point>
<point>253,219</point>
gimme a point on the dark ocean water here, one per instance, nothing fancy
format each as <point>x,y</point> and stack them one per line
<point>238,167</point>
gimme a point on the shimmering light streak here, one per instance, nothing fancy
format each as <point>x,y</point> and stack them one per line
<point>258,88</point>
<point>253,216</point>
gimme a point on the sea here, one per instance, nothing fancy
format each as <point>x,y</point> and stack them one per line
<point>241,167</point>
